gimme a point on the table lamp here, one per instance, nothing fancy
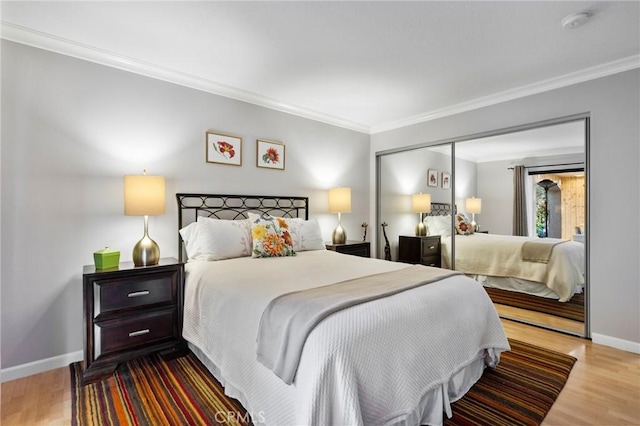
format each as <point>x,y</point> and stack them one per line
<point>339,202</point>
<point>144,195</point>
<point>473,205</point>
<point>421,203</point>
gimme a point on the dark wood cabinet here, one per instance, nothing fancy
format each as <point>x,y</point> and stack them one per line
<point>422,250</point>
<point>355,248</point>
<point>130,312</point>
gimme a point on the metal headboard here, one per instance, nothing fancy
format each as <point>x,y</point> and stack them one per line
<point>440,209</point>
<point>235,207</point>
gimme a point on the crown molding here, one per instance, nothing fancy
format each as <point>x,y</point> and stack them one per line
<point>30,37</point>
<point>581,76</point>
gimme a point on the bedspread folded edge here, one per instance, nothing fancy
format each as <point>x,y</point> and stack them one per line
<point>539,251</point>
<point>289,318</point>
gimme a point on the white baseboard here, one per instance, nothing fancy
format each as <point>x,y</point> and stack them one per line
<point>614,342</point>
<point>35,367</point>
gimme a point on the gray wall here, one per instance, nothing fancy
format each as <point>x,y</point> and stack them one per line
<point>614,107</point>
<point>72,129</point>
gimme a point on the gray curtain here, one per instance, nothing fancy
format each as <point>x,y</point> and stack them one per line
<point>519,202</point>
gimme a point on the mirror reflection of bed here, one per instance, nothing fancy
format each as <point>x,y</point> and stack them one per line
<point>532,279</point>
<point>553,153</point>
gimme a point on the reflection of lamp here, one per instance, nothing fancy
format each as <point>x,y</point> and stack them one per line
<point>421,203</point>
<point>144,196</point>
<point>473,205</point>
<point>339,202</point>
<point>546,184</point>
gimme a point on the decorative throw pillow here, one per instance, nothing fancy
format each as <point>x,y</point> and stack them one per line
<point>463,226</point>
<point>271,236</point>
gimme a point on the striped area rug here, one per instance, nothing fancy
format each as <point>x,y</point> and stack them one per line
<point>150,391</point>
<point>572,309</point>
<point>520,391</point>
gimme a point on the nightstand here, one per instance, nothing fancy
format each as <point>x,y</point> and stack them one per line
<point>130,312</point>
<point>355,248</point>
<point>423,250</point>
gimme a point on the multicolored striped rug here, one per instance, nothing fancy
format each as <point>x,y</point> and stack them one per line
<point>520,391</point>
<point>150,391</point>
<point>573,309</point>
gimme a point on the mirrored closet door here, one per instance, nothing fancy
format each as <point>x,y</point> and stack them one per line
<point>529,183</point>
<point>523,192</point>
<point>413,184</point>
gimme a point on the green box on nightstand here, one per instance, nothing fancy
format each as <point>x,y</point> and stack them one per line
<point>106,258</point>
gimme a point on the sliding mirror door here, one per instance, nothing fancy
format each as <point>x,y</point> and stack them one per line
<point>412,183</point>
<point>527,193</point>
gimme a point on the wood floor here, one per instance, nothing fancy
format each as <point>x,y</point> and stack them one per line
<point>603,388</point>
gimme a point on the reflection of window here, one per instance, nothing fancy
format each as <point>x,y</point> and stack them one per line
<point>560,208</point>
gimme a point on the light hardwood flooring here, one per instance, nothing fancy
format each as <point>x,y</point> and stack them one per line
<point>552,321</point>
<point>603,388</point>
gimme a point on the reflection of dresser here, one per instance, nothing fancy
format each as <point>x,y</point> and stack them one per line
<point>423,250</point>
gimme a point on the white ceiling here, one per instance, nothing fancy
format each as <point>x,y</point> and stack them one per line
<point>366,65</point>
<point>555,140</point>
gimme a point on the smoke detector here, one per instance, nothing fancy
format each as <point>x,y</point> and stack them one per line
<point>576,20</point>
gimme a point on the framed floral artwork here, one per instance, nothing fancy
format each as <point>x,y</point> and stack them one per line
<point>445,180</point>
<point>432,178</point>
<point>224,149</point>
<point>270,154</point>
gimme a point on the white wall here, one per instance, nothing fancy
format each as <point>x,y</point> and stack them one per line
<point>72,129</point>
<point>614,107</point>
<point>495,188</point>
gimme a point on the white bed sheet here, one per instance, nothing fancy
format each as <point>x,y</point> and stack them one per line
<point>398,360</point>
<point>485,255</point>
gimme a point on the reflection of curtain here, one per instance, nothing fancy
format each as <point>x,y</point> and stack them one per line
<point>519,202</point>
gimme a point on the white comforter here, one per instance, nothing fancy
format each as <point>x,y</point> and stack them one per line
<point>397,360</point>
<point>500,256</point>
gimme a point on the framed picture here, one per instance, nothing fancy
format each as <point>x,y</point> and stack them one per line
<point>445,180</point>
<point>270,154</point>
<point>432,178</point>
<point>224,149</point>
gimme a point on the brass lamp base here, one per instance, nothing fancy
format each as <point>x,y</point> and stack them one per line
<point>146,251</point>
<point>339,235</point>
<point>421,229</point>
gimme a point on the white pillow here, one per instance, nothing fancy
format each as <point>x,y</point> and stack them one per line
<point>306,234</point>
<point>217,239</point>
<point>438,225</point>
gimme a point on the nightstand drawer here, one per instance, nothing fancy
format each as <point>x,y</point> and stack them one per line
<point>136,330</point>
<point>430,247</point>
<point>117,294</point>
<point>431,261</point>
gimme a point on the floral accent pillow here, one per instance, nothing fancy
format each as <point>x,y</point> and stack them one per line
<point>271,236</point>
<point>463,226</point>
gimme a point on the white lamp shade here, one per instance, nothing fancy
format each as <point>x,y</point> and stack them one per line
<point>421,203</point>
<point>144,195</point>
<point>340,200</point>
<point>473,205</point>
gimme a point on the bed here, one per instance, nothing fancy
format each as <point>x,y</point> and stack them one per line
<point>398,359</point>
<point>545,267</point>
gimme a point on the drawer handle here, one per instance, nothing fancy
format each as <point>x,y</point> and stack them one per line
<point>138,293</point>
<point>139,332</point>
<point>432,247</point>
